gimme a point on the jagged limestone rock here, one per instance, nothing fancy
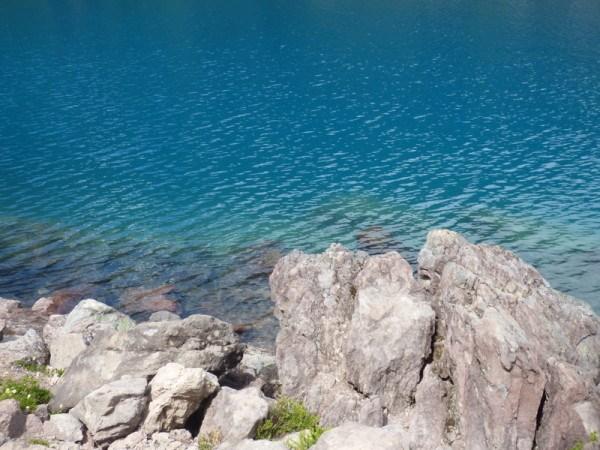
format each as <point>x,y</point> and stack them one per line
<point>355,333</point>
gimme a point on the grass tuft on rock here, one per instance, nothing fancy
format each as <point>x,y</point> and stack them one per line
<point>37,441</point>
<point>34,367</point>
<point>210,441</point>
<point>592,439</point>
<point>26,391</point>
<point>306,440</point>
<point>289,416</point>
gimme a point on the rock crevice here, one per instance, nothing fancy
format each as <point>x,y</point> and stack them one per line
<point>478,335</point>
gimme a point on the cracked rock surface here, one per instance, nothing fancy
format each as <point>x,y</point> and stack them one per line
<point>477,351</point>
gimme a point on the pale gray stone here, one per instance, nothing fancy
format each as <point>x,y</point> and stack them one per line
<point>235,415</point>
<point>522,357</point>
<point>12,419</point>
<point>86,321</point>
<point>8,307</point>
<point>355,436</point>
<point>63,427</point>
<point>197,341</point>
<point>432,416</point>
<point>250,444</point>
<point>28,347</point>
<point>176,392</point>
<point>175,440</point>
<point>42,412</point>
<point>354,334</point>
<point>34,427</point>
<point>258,367</point>
<point>113,410</point>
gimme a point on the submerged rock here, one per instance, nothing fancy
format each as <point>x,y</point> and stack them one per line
<point>141,300</point>
<point>62,301</point>
<point>197,341</point>
<point>163,316</point>
<point>375,240</point>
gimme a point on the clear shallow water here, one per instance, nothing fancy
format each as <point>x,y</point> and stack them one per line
<point>192,143</point>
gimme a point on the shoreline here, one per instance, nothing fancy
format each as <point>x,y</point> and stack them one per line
<point>475,348</point>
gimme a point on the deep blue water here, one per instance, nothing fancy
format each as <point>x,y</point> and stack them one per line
<point>147,142</point>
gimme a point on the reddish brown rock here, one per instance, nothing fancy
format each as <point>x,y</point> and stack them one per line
<point>61,301</point>
<point>141,300</point>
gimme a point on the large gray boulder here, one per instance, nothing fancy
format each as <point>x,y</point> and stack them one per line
<point>355,436</point>
<point>522,357</point>
<point>235,415</point>
<point>197,341</point>
<point>113,410</point>
<point>478,352</point>
<point>176,392</point>
<point>87,320</point>
<point>355,331</point>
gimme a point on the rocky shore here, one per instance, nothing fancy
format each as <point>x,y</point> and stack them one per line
<point>473,350</point>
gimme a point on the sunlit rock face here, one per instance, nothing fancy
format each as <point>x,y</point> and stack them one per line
<point>476,351</point>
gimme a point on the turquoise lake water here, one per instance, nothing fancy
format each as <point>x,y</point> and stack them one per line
<point>192,143</point>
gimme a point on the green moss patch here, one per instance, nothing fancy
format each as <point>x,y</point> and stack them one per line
<point>290,416</point>
<point>26,391</point>
<point>39,368</point>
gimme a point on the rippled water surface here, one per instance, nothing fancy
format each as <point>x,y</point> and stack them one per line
<point>191,143</point>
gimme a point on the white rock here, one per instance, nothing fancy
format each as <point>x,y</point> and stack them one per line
<point>114,410</point>
<point>249,444</point>
<point>176,393</point>
<point>88,319</point>
<point>234,415</point>
<point>354,436</point>
<point>33,426</point>
<point>28,347</point>
<point>63,427</point>
<point>175,440</point>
